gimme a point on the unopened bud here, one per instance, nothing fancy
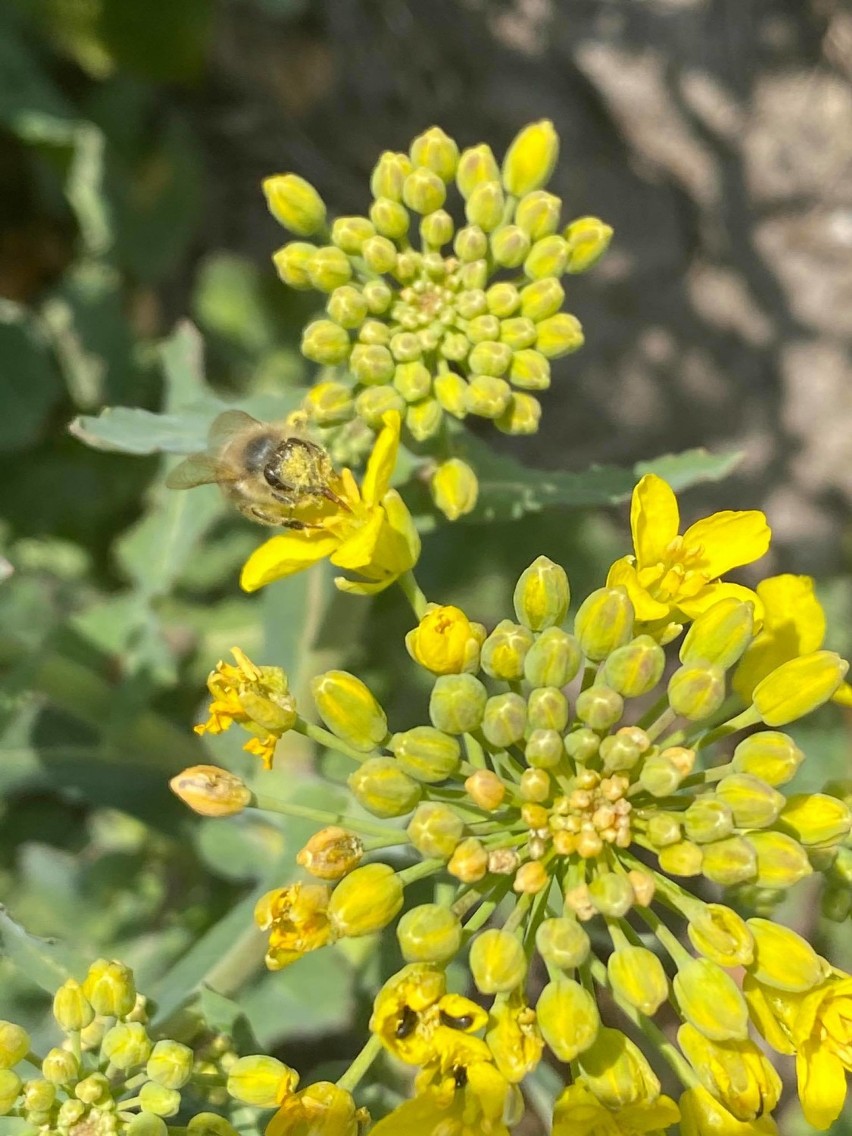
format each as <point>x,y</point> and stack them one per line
<point>261,1081</point>
<point>424,191</point>
<point>770,755</point>
<point>558,335</point>
<point>10,1090</point>
<point>457,703</point>
<point>380,254</point>
<point>531,878</point>
<point>781,860</point>
<point>485,789</point>
<point>469,862</point>
<point>815,818</point>
<point>510,246</point>
<point>412,380</point>
<point>429,933</point>
<point>553,659</point>
<point>384,788</point>
<point>521,416</point>
<point>697,690</point>
<point>331,853</point>
<point>426,754</point>
<point>485,205</point>
<point>94,1089</point>
<point>720,634</point>
<point>681,859</point>
<point>14,1044</point>
<point>476,166</point>
<point>505,719</point>
<point>798,686</point>
<point>518,333</point>
<point>562,942</point>
<point>729,862</point>
<point>208,791</point>
<point>616,1072</point>
<point>349,233</point>
<point>531,158</point>
<point>347,306</point>
<point>454,487</point>
<point>547,709</point>
<point>622,751</point>
<point>324,341</point>
<point>663,829</point>
<point>436,229</point>
<point>535,785</point>
<point>505,649</point>
<point>718,933</point>
<point>329,403</point>
<point>710,1000</point>
<point>162,1102</point>
<point>372,364</point>
<point>373,403</point>
<point>71,1007</point>
<point>389,174</point>
<point>568,1018</point>
<point>207,1124</point>
<point>635,668</point>
<point>349,710</point>
<point>542,595</point>
<point>587,239</point>
<point>291,263</point>
<point>708,818</point>
<point>60,1067</point>
<point>490,358</point>
<point>604,622</point>
<point>435,830</point>
<point>329,268</point>
<point>547,258</point>
<point>599,707</point>
<point>611,894</point>
<point>487,396</point>
<point>451,392</point>
<point>783,959</point>
<point>581,745</point>
<point>294,203</point>
<point>530,370</point>
<point>638,978</point>
<point>537,213</point>
<point>127,1045</point>
<point>365,901</point>
<point>170,1064</point>
<point>39,1097</point>
<point>497,961</point>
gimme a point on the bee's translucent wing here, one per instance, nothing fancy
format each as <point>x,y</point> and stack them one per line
<point>227,424</point>
<point>198,469</point>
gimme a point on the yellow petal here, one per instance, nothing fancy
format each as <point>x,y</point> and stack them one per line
<point>793,611</point>
<point>822,1085</point>
<point>356,553</point>
<point>654,519</point>
<point>728,539</point>
<point>650,1116</point>
<point>843,696</point>
<point>647,609</point>
<point>285,555</point>
<point>382,461</point>
<point>361,587</point>
<point>712,593</point>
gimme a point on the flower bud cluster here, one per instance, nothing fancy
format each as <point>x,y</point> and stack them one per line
<point>435,309</point>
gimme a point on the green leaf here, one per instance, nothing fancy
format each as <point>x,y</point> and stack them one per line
<point>47,962</point>
<point>30,386</point>
<point>129,430</point>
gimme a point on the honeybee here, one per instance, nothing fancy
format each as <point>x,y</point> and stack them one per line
<point>267,471</point>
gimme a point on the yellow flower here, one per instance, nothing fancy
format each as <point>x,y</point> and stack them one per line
<point>322,1109</point>
<point>256,698</point>
<point>445,641</point>
<point>674,577</point>
<point>513,1036</point>
<point>702,1115</point>
<point>822,1033</point>
<point>579,1113</point>
<point>370,533</point>
<point>296,918</point>
<point>793,625</point>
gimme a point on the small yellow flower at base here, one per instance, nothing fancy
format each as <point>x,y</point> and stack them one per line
<point>673,577</point>
<point>256,698</point>
<point>702,1115</point>
<point>322,1109</point>
<point>296,918</point>
<point>579,1113</point>
<point>369,532</point>
<point>513,1037</point>
<point>445,641</point>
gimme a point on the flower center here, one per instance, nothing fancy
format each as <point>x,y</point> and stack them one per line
<point>593,814</point>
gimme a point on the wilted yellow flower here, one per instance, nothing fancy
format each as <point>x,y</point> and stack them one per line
<point>513,1036</point>
<point>579,1113</point>
<point>371,533</point>
<point>672,577</point>
<point>256,698</point>
<point>296,918</point>
<point>445,641</point>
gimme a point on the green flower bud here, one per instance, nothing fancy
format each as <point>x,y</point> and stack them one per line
<point>454,486</point>
<point>604,622</point>
<point>437,151</point>
<point>637,978</point>
<point>347,306</point>
<point>14,1044</point>
<point>599,707</point>
<point>559,335</point>
<point>542,299</point>
<point>553,659</point>
<point>161,1102</point>
<point>372,364</point>
<point>94,1089</point>
<point>349,710</point>
<point>530,370</point>
<point>487,396</point>
<point>721,935</point>
<point>587,239</point>
<point>429,933</point>
<point>729,862</point>
<point>389,174</point>
<point>70,1112</point>
<point>815,818</point>
<point>547,258</point>
<point>60,1067</point>
<point>426,754</point>
<point>581,745</point>
<point>509,246</point>
<point>378,296</point>
<point>636,668</point>
<point>39,1096</point>
<point>544,749</point>
<point>373,403</point>
<point>531,158</point>
<point>261,1081</point>
<point>497,961</point>
<point>476,167</point>
<point>772,756</point>
<point>836,902</point>
<point>708,818</point>
<point>10,1090</point>
<point>568,1018</point>
<point>547,709</point>
<point>542,595</point>
<point>170,1064</point>
<point>291,263</point>
<point>681,859</point>
<point>412,380</point>
<point>519,333</point>
<point>471,244</point>
<point>505,649</point>
<point>697,690</point>
<point>408,264</point>
<point>622,751</point>
<point>457,703</point>
<point>719,635</point>
<point>329,403</point>
<point>436,229</point>
<point>365,901</point>
<point>127,1045</point>
<point>615,1071</point>
<point>781,860</point>
<point>325,342</point>
<point>503,300</point>
<point>146,1124</point>
<point>483,326</point>
<point>664,829</point>
<point>435,830</point>
<point>329,268</point>
<point>71,1007</point>
<point>612,895</point>
<point>659,776</point>
<point>521,416</point>
<point>754,804</point>
<point>485,206</point>
<point>488,358</point>
<point>799,686</point>
<point>349,234</point>
<point>783,959</point>
<point>537,213</point>
<point>505,719</point>
<point>423,192</point>
<point>535,785</point>
<point>562,943</point>
<point>209,1124</point>
<point>380,254</point>
<point>294,203</point>
<point>383,788</point>
<point>711,1001</point>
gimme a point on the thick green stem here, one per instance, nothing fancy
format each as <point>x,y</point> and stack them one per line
<point>420,871</point>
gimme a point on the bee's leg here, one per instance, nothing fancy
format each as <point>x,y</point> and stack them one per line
<point>274,481</point>
<point>330,495</point>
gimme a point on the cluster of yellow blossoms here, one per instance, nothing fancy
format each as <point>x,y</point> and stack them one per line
<point>467,323</point>
<point>561,797</point>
